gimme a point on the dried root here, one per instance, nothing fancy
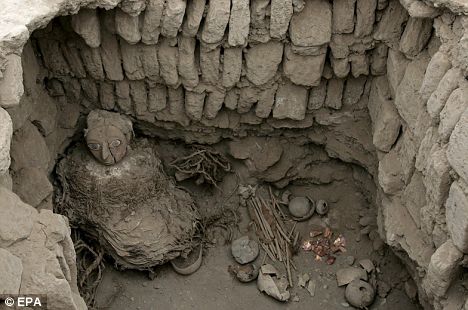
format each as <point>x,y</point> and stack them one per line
<point>205,164</point>
<point>90,265</point>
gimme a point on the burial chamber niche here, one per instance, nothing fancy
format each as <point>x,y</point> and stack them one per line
<point>361,104</point>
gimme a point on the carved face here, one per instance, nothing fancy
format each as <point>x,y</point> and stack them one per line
<point>107,143</point>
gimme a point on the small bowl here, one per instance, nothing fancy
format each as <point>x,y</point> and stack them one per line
<point>189,265</point>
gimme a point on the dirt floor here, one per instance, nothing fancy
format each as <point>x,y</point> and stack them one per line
<point>213,287</point>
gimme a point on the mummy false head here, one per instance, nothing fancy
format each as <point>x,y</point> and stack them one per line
<point>108,136</point>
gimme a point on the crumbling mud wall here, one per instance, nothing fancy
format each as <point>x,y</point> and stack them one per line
<point>377,84</point>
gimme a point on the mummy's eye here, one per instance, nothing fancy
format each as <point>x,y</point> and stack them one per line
<point>115,143</point>
<point>94,146</point>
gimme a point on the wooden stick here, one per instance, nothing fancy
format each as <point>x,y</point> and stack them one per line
<point>268,252</point>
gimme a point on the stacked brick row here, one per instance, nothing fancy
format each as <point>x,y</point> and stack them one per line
<point>185,61</point>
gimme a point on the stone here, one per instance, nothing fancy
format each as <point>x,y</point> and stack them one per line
<point>232,66</point>
<point>414,197</point>
<point>266,101</point>
<point>16,222</point>
<point>436,69</point>
<point>32,186</point>
<point>365,18</point>
<point>367,264</point>
<point>262,61</point>
<point>258,153</point>
<point>72,55</point>
<point>334,94</point>
<point>11,85</point>
<point>396,66</point>
<point>452,111</point>
<point>458,147</point>
<point>90,90</point>
<point>132,61</point>
<point>442,269</point>
<point>106,96</point>
<point>353,91</point>
<point>290,102</point>
<point>359,64</point>
<point>54,61</point>
<point>313,25</point>
<point>419,9</point>
<point>157,98</point>
<point>139,97</point>
<point>214,102</point>
<point>172,18</point>
<point>391,24</point>
<point>407,99</point>
<point>6,132</point>
<point>341,67</point>
<point>244,250</point>
<point>86,24</point>
<point>193,17</point>
<point>378,62</point>
<point>390,176</point>
<point>303,70</point>
<point>247,98</point>
<point>11,270</point>
<point>151,26</point>
<point>343,16</point>
<point>239,22</point>
<point>231,99</point>
<point>92,61</point>
<point>416,36</point>
<point>168,60</point>
<point>188,68</point>
<point>111,57</point>
<point>456,210</point>
<point>347,275</point>
<point>194,104</point>
<point>150,61</point>
<point>210,64</point>
<point>280,16</point>
<point>28,149</point>
<point>384,115</point>
<point>401,231</point>
<point>122,96</point>
<point>127,26</point>
<point>216,21</point>
<point>133,7</point>
<point>317,96</point>
<point>439,97</point>
<point>437,175</point>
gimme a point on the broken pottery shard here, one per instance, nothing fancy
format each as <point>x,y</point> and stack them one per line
<point>152,21</point>
<point>86,24</point>
<point>281,12</point>
<point>239,22</point>
<point>303,279</point>
<point>312,26</point>
<point>173,17</point>
<point>311,287</point>
<point>216,21</point>
<point>347,275</point>
<point>271,285</point>
<point>244,250</point>
<point>127,26</point>
<point>367,264</point>
<point>193,17</point>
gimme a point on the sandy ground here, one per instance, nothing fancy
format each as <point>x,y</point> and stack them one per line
<point>212,287</point>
